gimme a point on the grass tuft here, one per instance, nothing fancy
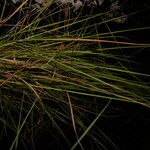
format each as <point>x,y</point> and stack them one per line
<point>58,75</point>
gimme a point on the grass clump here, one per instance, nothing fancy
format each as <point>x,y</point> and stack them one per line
<point>57,79</point>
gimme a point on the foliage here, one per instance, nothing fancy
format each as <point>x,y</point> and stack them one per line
<point>62,73</point>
